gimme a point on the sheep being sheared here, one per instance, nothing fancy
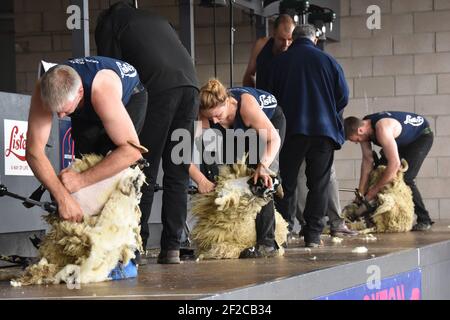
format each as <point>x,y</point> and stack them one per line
<point>394,206</point>
<point>226,217</point>
<point>88,251</point>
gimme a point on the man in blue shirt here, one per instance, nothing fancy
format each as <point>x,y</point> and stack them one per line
<point>311,88</point>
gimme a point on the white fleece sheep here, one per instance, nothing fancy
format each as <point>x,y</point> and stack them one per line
<point>226,217</point>
<point>394,207</point>
<point>88,251</point>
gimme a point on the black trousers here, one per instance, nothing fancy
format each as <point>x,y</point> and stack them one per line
<point>167,111</point>
<point>89,134</point>
<point>415,153</point>
<point>265,220</point>
<point>318,152</point>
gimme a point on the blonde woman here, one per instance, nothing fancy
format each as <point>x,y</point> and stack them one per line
<point>245,108</point>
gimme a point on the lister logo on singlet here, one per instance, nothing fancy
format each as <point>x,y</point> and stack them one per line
<point>15,144</point>
<point>414,121</point>
<point>267,101</point>
<point>126,69</point>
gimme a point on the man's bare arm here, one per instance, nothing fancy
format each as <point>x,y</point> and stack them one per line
<point>39,127</point>
<point>385,137</point>
<point>107,103</point>
<point>249,79</point>
<point>366,165</point>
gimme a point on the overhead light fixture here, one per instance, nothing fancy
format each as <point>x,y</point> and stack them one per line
<point>294,7</point>
<point>213,3</point>
<point>267,2</point>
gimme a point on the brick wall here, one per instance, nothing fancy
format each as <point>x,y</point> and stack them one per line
<point>41,33</point>
<point>404,66</point>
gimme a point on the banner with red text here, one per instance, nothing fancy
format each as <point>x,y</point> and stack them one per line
<point>15,145</point>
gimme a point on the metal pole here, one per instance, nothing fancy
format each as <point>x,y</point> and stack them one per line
<point>262,27</point>
<point>186,10</point>
<point>80,37</point>
<point>215,40</point>
<point>231,42</point>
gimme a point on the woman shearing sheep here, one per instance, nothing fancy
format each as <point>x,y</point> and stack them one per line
<point>245,108</point>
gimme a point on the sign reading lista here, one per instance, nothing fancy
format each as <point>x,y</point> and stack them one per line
<point>15,146</point>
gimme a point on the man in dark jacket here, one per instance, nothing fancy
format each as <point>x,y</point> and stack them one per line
<point>312,90</point>
<point>149,42</point>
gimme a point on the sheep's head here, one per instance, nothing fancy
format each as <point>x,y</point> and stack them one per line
<point>230,192</point>
<point>132,181</point>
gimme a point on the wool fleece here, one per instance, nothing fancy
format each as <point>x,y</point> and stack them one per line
<point>226,217</point>
<point>394,207</point>
<point>110,232</point>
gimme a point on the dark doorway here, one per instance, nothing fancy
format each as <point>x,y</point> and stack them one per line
<point>7,52</point>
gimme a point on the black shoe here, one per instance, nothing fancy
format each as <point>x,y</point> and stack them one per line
<point>342,229</point>
<point>422,226</point>
<point>301,233</point>
<point>139,260</point>
<point>169,257</point>
<point>250,253</point>
<point>291,236</point>
<point>258,252</point>
<point>267,251</point>
<point>312,244</point>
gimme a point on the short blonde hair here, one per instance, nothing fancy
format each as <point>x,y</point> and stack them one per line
<point>212,94</point>
<point>59,85</point>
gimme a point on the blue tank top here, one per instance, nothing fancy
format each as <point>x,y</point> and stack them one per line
<point>266,101</point>
<point>88,67</point>
<point>263,62</point>
<point>413,125</point>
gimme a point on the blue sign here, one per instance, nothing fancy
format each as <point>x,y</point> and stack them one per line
<point>66,143</point>
<point>403,286</point>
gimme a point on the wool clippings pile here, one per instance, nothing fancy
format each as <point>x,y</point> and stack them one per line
<point>360,250</point>
<point>88,251</point>
<point>226,216</point>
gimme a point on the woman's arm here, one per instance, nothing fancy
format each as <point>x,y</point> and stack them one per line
<point>254,117</point>
<point>203,184</point>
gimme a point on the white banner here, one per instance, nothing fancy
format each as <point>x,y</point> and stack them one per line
<point>15,144</point>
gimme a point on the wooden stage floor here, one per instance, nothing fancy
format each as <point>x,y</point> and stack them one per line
<point>204,279</point>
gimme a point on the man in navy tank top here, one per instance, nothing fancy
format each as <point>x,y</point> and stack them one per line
<point>402,135</point>
<point>265,50</point>
<point>107,104</point>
